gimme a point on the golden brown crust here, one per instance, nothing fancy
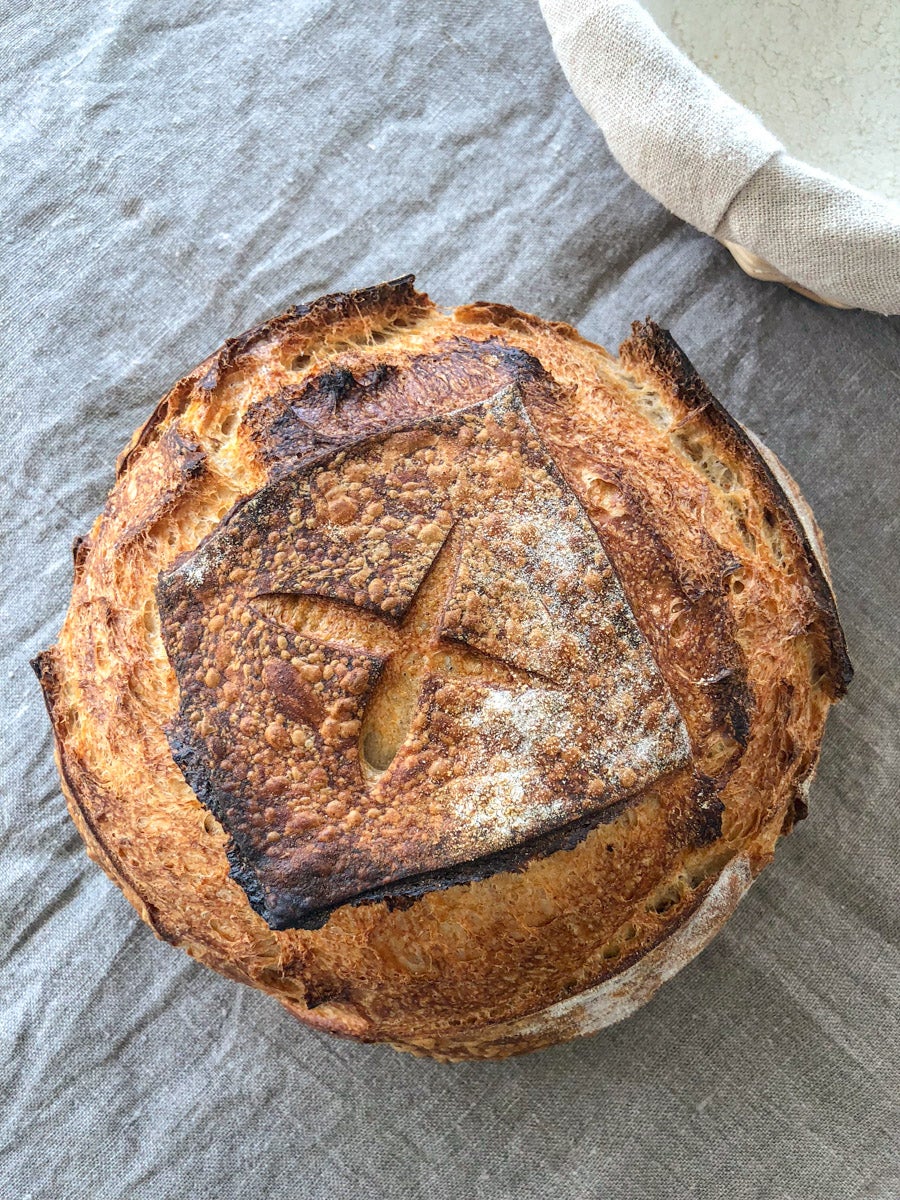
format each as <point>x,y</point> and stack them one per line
<point>403,661</point>
<point>653,352</point>
<point>725,592</point>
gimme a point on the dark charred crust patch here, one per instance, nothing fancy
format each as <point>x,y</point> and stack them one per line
<point>395,294</point>
<point>317,992</point>
<point>732,702</point>
<point>405,892</point>
<point>80,548</point>
<point>195,771</point>
<point>42,665</point>
<point>200,781</point>
<point>291,424</point>
<point>336,407</point>
<point>705,820</point>
<point>797,810</point>
<point>654,350</point>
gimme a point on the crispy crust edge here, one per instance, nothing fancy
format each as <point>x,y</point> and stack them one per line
<point>652,351</point>
<point>45,666</point>
<point>326,315</point>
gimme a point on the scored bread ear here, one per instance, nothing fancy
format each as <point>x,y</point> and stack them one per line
<point>653,355</point>
<point>295,339</point>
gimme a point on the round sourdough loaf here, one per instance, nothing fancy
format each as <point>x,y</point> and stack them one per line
<point>441,675</point>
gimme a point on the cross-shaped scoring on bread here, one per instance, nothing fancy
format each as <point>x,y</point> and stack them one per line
<point>412,650</point>
<point>410,654</point>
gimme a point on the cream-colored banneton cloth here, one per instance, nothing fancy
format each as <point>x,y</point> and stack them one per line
<point>714,164</point>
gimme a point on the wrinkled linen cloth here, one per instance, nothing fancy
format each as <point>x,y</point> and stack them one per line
<point>174,173</point>
<point>713,163</point>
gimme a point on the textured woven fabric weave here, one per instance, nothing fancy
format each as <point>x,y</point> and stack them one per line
<point>713,163</point>
<point>172,174</point>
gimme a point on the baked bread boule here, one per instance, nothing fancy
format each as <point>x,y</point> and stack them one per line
<point>441,675</point>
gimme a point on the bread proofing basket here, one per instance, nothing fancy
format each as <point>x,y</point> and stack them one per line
<point>714,164</point>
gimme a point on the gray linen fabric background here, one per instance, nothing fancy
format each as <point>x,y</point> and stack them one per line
<point>175,172</point>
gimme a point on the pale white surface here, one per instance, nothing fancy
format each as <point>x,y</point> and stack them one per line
<point>824,75</point>
<point>713,163</point>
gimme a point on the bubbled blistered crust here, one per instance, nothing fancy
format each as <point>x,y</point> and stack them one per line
<point>445,574</point>
<point>722,583</point>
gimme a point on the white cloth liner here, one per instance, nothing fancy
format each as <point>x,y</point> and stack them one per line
<point>713,163</point>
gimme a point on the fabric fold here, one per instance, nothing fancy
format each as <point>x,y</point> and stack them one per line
<point>713,163</point>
